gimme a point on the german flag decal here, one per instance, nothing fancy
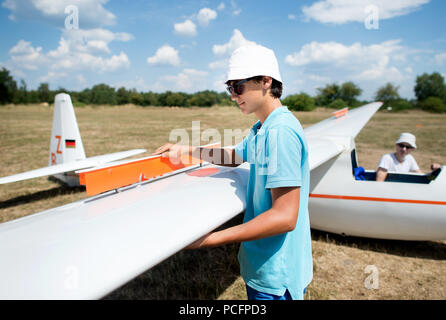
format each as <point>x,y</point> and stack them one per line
<point>70,143</point>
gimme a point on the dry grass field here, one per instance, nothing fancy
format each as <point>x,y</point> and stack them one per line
<point>407,270</point>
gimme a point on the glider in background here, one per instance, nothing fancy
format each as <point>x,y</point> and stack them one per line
<point>66,149</point>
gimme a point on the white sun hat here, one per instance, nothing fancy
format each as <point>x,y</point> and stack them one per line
<point>253,60</point>
<point>407,138</point>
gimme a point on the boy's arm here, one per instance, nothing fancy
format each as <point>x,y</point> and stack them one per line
<point>218,156</point>
<point>281,218</point>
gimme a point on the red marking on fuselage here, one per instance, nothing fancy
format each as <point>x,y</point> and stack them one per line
<point>341,197</point>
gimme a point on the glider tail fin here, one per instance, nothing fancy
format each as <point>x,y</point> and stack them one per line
<point>66,143</point>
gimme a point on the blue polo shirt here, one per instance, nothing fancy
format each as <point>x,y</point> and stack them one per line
<point>278,155</point>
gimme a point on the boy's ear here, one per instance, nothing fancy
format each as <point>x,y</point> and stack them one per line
<point>267,82</point>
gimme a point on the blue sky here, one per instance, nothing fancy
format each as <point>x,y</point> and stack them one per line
<point>185,45</point>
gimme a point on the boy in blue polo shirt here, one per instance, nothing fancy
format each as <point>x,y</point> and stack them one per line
<point>275,252</point>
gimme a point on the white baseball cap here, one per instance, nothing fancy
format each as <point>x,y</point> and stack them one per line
<point>407,138</point>
<point>253,60</point>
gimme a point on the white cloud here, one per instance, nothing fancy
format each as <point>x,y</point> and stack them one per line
<point>349,57</point>
<point>440,58</point>
<point>291,16</point>
<point>318,78</point>
<point>205,15</point>
<point>186,28</point>
<point>221,6</point>
<point>219,64</point>
<point>367,65</point>
<point>236,12</point>
<point>91,12</point>
<point>235,9</point>
<point>189,80</point>
<point>225,50</point>
<point>52,76</point>
<point>25,55</point>
<point>237,40</point>
<point>166,55</point>
<point>77,50</point>
<point>343,11</point>
<point>84,49</point>
<point>89,41</point>
<point>113,63</point>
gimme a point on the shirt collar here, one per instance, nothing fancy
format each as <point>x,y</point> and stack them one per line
<point>271,116</point>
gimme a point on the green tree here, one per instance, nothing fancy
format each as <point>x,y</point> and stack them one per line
<point>136,97</point>
<point>44,92</point>
<point>430,85</point>
<point>299,102</point>
<point>149,99</point>
<point>400,104</point>
<point>326,95</point>
<point>103,94</point>
<point>203,99</point>
<point>224,99</point>
<point>349,92</point>
<point>388,94</point>
<point>22,93</point>
<point>337,104</point>
<point>8,87</point>
<point>433,104</point>
<point>177,99</point>
<point>84,96</point>
<point>122,96</point>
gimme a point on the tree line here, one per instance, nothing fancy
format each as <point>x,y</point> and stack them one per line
<point>103,94</point>
<point>429,89</point>
<point>430,92</point>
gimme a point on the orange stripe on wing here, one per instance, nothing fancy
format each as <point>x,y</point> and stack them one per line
<point>116,176</point>
<point>330,196</point>
<point>340,113</point>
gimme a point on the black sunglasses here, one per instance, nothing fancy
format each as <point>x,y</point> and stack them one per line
<point>402,146</point>
<point>237,87</point>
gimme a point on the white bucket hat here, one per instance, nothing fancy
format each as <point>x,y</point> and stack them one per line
<point>407,138</point>
<point>253,60</point>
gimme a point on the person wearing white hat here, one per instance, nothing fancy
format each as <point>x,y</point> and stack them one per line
<point>275,254</point>
<point>401,161</point>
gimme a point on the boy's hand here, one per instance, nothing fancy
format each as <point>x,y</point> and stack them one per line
<point>171,151</point>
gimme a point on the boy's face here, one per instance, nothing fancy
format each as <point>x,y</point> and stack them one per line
<point>253,96</point>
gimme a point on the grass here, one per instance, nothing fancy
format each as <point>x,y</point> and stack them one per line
<point>407,270</point>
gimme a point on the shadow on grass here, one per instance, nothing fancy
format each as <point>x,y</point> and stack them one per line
<point>434,250</point>
<point>40,195</point>
<point>188,274</point>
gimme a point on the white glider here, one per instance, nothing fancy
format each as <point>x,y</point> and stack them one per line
<point>66,149</point>
<point>86,249</point>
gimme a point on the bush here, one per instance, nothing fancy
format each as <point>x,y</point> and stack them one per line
<point>430,85</point>
<point>299,102</point>
<point>433,104</point>
<point>337,104</point>
<point>400,104</point>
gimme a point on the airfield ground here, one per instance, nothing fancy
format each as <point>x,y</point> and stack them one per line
<point>406,270</point>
